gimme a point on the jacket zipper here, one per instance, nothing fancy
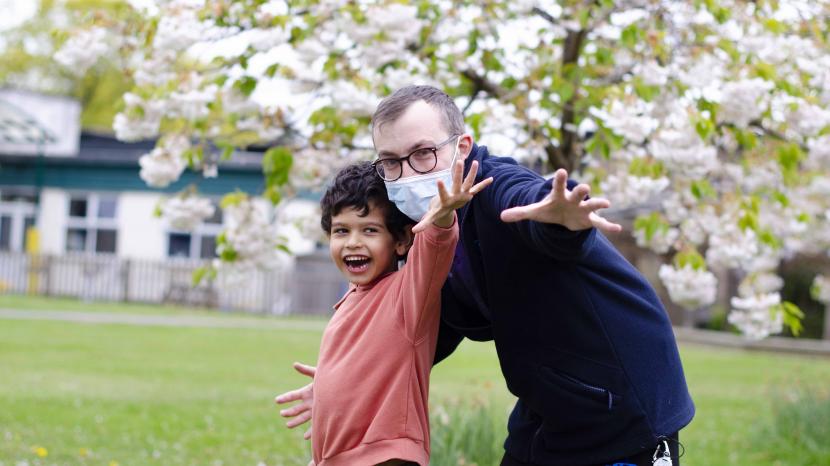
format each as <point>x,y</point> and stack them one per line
<point>592,388</point>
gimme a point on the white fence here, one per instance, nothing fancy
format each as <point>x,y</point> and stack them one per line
<point>311,286</point>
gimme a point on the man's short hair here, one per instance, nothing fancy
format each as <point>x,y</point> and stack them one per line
<point>358,186</point>
<point>392,107</point>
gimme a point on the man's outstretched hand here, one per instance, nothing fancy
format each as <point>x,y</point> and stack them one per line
<point>568,208</point>
<point>300,412</point>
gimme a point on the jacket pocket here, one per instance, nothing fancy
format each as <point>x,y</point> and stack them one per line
<point>599,396</point>
<point>570,404</point>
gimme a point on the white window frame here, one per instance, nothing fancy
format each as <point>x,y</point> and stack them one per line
<point>18,211</point>
<point>91,223</point>
<point>204,229</point>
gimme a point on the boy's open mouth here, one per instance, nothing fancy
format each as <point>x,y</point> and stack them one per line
<point>356,264</point>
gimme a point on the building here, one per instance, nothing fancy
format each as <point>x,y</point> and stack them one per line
<point>98,237</point>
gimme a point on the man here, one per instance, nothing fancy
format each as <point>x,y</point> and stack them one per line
<point>582,339</point>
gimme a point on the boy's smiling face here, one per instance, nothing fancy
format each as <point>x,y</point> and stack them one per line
<point>362,247</point>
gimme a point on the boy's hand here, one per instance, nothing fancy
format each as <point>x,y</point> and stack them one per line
<point>301,412</point>
<point>445,203</point>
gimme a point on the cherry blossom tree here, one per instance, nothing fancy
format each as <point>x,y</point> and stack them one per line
<point>708,120</point>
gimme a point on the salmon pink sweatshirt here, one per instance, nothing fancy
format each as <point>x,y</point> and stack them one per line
<point>372,382</point>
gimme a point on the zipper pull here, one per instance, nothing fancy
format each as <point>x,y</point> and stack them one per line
<point>610,400</point>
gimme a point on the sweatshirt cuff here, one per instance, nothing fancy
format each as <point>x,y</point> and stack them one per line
<point>436,233</point>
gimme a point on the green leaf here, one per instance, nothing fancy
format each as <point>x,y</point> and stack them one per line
<point>704,127</point>
<point>273,194</point>
<point>630,36</point>
<point>228,254</point>
<point>746,138</point>
<point>765,71</point>
<point>690,257</point>
<point>702,188</point>
<point>789,156</point>
<point>199,274</point>
<point>644,91</point>
<point>475,120</point>
<point>565,90</point>
<point>272,70</point>
<point>246,85</point>
<point>768,237</point>
<point>792,316</point>
<point>276,166</point>
<point>650,224</point>
<point>231,199</point>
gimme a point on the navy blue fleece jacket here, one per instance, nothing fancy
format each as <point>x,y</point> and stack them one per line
<point>582,339</point>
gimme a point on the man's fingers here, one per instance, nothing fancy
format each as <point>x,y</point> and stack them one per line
<point>600,223</point>
<point>580,192</point>
<point>301,419</point>
<point>481,185</point>
<point>560,181</point>
<point>516,214</point>
<point>307,436</point>
<point>595,204</point>
<point>305,369</point>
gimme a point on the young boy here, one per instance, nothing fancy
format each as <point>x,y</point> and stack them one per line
<point>372,379</point>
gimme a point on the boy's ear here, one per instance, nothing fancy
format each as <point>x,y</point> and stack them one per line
<point>405,242</point>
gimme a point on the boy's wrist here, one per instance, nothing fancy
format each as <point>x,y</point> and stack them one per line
<point>445,221</point>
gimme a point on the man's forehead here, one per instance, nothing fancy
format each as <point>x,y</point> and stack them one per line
<point>419,123</point>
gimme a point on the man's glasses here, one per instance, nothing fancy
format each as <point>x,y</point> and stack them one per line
<point>421,160</point>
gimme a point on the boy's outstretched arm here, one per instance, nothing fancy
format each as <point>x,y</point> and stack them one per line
<point>300,412</point>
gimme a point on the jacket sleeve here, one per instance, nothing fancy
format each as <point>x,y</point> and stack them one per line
<point>427,266</point>
<point>514,185</point>
<point>448,341</point>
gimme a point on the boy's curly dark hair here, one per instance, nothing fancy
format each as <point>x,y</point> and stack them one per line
<point>356,186</point>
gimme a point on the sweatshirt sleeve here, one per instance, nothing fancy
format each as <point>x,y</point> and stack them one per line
<point>514,185</point>
<point>427,266</point>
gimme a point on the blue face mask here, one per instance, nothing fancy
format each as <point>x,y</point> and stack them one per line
<point>412,194</point>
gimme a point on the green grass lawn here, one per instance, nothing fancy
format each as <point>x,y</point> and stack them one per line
<point>82,394</point>
<point>43,303</point>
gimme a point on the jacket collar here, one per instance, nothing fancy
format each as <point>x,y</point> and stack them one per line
<point>479,153</point>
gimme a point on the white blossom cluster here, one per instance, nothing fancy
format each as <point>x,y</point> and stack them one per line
<point>630,120</point>
<point>187,212</point>
<point>681,150</point>
<point>743,101</point>
<point>756,316</point>
<point>689,287</point>
<point>660,242</point>
<point>632,190</point>
<point>164,164</point>
<point>144,122</point>
<point>83,49</point>
<point>251,235</point>
<point>821,289</point>
<point>731,247</point>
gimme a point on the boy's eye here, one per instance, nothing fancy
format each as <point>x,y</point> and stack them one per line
<point>371,230</point>
<point>338,231</point>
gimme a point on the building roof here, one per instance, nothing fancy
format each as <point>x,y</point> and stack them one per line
<point>104,163</point>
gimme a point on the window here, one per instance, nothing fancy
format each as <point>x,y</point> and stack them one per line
<point>5,233</point>
<point>17,215</point>
<point>92,226</point>
<point>199,243</point>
